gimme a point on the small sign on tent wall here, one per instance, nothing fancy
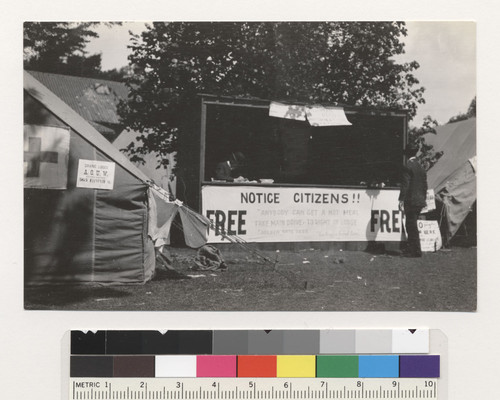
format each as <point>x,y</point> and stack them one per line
<point>430,235</point>
<point>430,201</point>
<point>94,174</point>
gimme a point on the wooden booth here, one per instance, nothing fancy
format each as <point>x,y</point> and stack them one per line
<point>311,173</point>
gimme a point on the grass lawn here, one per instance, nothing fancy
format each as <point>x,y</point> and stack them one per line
<point>305,280</point>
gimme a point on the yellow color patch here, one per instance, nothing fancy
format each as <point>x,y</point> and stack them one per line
<point>296,367</point>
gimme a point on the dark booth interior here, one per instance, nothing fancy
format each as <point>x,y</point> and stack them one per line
<point>366,153</point>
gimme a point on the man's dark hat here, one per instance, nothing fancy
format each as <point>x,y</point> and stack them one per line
<point>239,157</point>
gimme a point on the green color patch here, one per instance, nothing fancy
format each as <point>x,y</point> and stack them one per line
<point>337,366</point>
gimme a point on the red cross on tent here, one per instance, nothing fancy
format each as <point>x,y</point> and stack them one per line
<point>46,150</point>
<point>34,156</point>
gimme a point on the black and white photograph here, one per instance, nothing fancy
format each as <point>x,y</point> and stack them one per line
<point>250,166</point>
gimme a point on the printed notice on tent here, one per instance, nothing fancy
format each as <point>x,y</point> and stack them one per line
<point>95,174</point>
<point>430,201</point>
<point>430,235</point>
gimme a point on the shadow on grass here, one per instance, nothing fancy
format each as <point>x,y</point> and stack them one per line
<point>306,281</point>
<point>48,297</point>
<point>169,275</point>
<point>376,248</point>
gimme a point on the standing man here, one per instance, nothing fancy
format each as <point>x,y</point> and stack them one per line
<point>412,199</point>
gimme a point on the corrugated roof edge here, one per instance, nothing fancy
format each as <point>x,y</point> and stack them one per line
<point>83,78</point>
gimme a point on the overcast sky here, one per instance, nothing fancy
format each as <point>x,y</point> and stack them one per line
<point>446,52</point>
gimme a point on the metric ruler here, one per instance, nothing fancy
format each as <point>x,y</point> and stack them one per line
<point>255,365</point>
<point>255,388</point>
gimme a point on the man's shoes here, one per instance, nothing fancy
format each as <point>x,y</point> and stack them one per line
<point>411,255</point>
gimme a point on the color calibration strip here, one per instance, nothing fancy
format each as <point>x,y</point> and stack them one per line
<point>276,354</point>
<point>248,365</point>
<point>251,342</point>
<point>265,366</point>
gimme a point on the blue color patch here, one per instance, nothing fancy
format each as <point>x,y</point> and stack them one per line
<point>378,366</point>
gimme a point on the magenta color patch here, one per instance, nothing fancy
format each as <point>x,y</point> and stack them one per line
<point>216,366</point>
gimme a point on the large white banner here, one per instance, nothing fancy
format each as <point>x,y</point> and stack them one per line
<point>301,214</point>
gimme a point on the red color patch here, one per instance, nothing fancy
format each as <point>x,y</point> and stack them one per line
<point>257,366</point>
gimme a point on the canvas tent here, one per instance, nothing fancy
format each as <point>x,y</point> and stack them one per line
<point>78,232</point>
<point>453,177</point>
<point>97,100</point>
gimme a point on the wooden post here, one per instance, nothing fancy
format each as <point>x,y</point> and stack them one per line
<point>203,132</point>
<point>405,135</point>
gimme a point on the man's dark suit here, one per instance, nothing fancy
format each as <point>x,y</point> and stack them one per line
<point>413,193</point>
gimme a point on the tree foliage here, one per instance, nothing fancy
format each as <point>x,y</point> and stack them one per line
<point>116,74</point>
<point>427,156</point>
<point>315,62</point>
<point>59,47</point>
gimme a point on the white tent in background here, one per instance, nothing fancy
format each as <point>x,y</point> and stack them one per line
<point>453,177</point>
